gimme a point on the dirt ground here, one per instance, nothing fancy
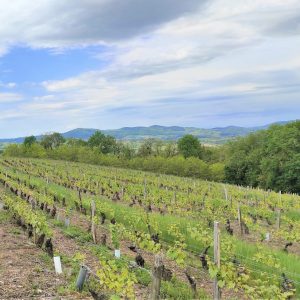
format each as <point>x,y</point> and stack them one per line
<point>25,270</point>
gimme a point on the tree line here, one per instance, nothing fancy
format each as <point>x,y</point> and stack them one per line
<point>269,158</point>
<point>186,157</point>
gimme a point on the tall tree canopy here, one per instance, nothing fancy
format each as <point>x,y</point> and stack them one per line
<point>189,146</point>
<point>105,143</point>
<point>52,141</point>
<point>269,158</point>
<point>29,140</point>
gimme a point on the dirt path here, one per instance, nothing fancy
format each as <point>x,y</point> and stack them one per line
<point>25,270</point>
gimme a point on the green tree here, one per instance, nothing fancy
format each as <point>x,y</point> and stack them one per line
<point>29,140</point>
<point>170,149</point>
<point>125,150</point>
<point>105,143</point>
<point>189,146</point>
<point>146,148</point>
<point>97,139</point>
<point>52,141</point>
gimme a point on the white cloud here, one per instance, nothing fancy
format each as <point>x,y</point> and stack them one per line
<point>10,97</point>
<point>56,23</point>
<point>9,85</point>
<point>218,57</point>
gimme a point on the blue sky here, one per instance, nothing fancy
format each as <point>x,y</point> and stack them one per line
<point>108,64</point>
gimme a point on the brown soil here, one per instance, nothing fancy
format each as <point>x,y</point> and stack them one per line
<point>24,274</point>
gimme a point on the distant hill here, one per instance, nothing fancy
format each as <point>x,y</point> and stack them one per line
<point>216,135</point>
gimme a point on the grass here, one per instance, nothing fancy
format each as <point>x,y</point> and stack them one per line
<point>4,216</point>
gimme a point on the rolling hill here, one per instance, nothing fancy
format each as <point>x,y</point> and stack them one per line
<point>216,135</point>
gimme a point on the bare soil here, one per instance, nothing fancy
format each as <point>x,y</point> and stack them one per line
<point>25,273</point>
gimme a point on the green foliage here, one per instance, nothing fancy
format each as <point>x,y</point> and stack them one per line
<point>143,276</point>
<point>116,278</point>
<point>176,289</point>
<point>269,159</point>
<point>174,165</point>
<point>52,141</point>
<point>189,145</point>
<point>104,143</point>
<point>217,171</point>
<point>28,141</point>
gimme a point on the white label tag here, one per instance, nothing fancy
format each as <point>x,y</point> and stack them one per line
<point>117,253</point>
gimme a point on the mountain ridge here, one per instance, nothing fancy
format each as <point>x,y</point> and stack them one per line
<point>216,135</point>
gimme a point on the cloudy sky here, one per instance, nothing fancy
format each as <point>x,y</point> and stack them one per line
<point>113,63</point>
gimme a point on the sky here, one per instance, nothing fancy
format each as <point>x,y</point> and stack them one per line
<point>110,63</point>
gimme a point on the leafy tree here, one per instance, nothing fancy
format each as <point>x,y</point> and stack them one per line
<point>170,149</point>
<point>105,143</point>
<point>125,150</point>
<point>52,141</point>
<point>97,139</point>
<point>217,171</point>
<point>189,146</point>
<point>146,148</point>
<point>29,140</point>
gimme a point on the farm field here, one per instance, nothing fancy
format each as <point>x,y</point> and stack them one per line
<point>82,213</point>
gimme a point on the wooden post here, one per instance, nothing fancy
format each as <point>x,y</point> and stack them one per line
<point>122,192</point>
<point>145,189</point>
<point>278,219</point>
<point>156,278</point>
<point>79,196</point>
<point>93,222</point>
<point>217,260</point>
<point>280,198</point>
<point>225,192</point>
<point>203,200</point>
<point>240,218</point>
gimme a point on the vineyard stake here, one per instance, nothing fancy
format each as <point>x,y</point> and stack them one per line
<point>122,192</point>
<point>81,277</point>
<point>280,197</point>
<point>67,222</point>
<point>93,222</point>
<point>145,189</point>
<point>57,264</point>
<point>278,219</point>
<point>240,218</point>
<point>225,192</point>
<point>217,260</point>
<point>156,278</point>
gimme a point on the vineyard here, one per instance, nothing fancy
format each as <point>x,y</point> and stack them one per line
<point>188,238</point>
